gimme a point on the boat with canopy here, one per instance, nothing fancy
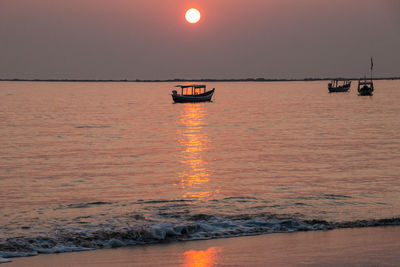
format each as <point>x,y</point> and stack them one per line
<point>192,93</point>
<point>339,86</point>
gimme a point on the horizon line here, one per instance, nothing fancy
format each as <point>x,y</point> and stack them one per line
<point>193,80</point>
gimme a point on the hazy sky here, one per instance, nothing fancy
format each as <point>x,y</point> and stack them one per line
<point>149,39</point>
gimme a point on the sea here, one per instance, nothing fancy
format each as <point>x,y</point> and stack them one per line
<point>91,165</point>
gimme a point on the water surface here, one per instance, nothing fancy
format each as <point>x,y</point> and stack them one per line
<point>89,165</point>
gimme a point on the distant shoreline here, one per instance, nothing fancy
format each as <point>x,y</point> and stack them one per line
<point>191,80</point>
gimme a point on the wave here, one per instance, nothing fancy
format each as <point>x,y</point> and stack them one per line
<point>158,201</point>
<point>83,205</point>
<point>92,126</point>
<point>200,227</point>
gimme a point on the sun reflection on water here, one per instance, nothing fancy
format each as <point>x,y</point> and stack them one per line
<point>202,258</point>
<point>194,142</point>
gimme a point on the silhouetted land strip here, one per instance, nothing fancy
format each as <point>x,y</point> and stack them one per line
<point>194,80</point>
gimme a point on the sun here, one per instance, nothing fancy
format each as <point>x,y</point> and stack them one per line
<point>192,15</point>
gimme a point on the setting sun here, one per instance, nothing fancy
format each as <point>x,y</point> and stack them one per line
<point>192,15</point>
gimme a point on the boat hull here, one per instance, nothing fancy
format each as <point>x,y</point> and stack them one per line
<point>206,97</point>
<point>367,91</point>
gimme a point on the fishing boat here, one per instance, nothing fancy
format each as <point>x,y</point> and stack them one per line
<point>192,93</point>
<point>366,87</point>
<point>339,86</point>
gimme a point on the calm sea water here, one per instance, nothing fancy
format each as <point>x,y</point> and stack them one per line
<point>91,165</point>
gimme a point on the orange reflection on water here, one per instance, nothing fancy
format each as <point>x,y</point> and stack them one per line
<point>202,258</point>
<point>193,141</point>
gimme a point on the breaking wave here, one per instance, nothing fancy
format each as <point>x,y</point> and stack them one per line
<point>197,227</point>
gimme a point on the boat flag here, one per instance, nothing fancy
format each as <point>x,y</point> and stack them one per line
<point>372,64</point>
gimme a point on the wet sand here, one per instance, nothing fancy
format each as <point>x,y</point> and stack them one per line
<point>376,246</point>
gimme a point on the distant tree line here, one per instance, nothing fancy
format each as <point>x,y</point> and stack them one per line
<point>193,80</point>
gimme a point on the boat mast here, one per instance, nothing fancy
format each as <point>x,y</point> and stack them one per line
<point>372,67</point>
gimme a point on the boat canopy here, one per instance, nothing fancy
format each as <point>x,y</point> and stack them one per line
<point>191,86</point>
<point>366,82</point>
<point>192,89</point>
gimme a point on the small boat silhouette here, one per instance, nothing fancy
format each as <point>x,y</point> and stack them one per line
<point>192,93</point>
<point>336,86</point>
<point>366,87</point>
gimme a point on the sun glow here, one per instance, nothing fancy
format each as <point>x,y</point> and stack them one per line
<point>192,15</point>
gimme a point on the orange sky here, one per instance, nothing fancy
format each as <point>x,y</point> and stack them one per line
<point>149,39</point>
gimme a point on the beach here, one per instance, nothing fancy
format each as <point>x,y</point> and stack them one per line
<point>374,246</point>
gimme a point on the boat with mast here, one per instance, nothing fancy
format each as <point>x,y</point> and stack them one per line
<point>365,86</point>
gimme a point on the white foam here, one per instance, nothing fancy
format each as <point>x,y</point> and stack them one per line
<point>60,249</point>
<point>14,254</point>
<point>3,260</point>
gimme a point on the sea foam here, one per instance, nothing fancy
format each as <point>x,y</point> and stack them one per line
<point>205,227</point>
